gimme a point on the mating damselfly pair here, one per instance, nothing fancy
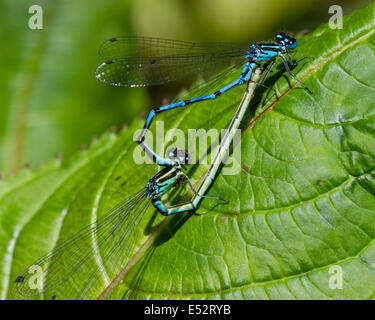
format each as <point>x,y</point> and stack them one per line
<point>89,264</point>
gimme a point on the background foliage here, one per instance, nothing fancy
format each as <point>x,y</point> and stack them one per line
<point>302,202</point>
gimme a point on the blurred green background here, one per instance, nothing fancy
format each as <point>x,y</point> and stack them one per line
<point>50,101</point>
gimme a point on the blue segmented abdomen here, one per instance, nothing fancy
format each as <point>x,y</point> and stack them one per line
<point>151,115</point>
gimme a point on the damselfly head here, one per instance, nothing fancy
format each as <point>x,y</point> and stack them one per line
<point>181,156</point>
<point>285,40</point>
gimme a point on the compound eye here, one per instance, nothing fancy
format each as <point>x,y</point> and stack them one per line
<point>280,37</point>
<point>172,153</point>
<point>187,158</point>
<point>181,156</point>
<point>291,44</point>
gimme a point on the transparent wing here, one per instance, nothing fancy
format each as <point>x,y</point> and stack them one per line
<point>212,84</point>
<point>85,265</point>
<point>141,61</point>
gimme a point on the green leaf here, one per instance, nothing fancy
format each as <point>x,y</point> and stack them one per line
<point>300,212</point>
<point>51,101</point>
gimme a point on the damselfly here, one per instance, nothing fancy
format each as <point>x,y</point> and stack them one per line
<point>89,264</point>
<point>143,61</point>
